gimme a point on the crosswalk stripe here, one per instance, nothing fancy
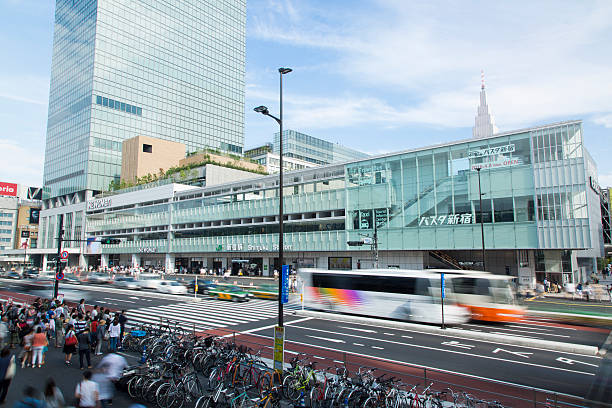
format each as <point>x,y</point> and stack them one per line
<point>236,314</point>
<point>191,317</point>
<point>183,324</point>
<point>222,308</point>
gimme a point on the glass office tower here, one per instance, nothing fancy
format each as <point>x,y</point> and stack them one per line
<point>312,149</point>
<point>171,70</point>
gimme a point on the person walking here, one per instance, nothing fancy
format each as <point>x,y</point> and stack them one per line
<point>7,372</point>
<point>84,348</point>
<point>29,399</point>
<point>122,321</point>
<point>100,334</point>
<point>27,348</point>
<point>60,322</point>
<point>114,331</point>
<point>81,307</point>
<point>39,342</point>
<point>105,385</point>
<point>70,342</point>
<point>87,392</point>
<point>53,395</point>
<point>5,333</point>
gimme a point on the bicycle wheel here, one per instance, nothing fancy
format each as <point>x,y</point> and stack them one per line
<point>292,388</point>
<point>317,397</point>
<point>215,378</point>
<point>151,390</point>
<point>131,386</point>
<point>160,395</point>
<point>265,383</point>
<point>208,363</point>
<point>205,401</point>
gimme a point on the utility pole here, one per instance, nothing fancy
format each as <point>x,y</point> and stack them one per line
<point>58,264</point>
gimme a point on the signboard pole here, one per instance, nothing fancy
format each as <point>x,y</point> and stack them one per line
<point>195,289</point>
<point>279,348</point>
<point>442,294</point>
<point>58,264</point>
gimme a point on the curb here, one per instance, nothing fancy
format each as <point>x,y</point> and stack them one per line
<point>450,332</point>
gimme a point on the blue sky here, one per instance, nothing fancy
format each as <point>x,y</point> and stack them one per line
<point>376,75</point>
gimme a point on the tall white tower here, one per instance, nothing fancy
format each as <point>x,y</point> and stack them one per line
<point>485,124</point>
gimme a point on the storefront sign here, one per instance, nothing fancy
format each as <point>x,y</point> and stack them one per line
<point>8,189</point>
<point>34,215</point>
<point>98,204</point>
<point>504,162</point>
<point>448,219</point>
<point>25,234</point>
<point>250,248</point>
<point>491,151</point>
<point>147,250</point>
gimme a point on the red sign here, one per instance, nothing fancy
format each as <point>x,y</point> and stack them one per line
<point>8,189</point>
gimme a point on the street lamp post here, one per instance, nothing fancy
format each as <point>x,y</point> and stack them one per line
<point>264,111</point>
<point>484,267</point>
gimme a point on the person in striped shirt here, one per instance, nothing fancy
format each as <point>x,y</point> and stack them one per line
<point>80,324</point>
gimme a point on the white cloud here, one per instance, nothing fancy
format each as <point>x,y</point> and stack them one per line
<point>542,60</point>
<point>21,164</point>
<point>605,180</point>
<point>604,120</point>
<point>25,88</point>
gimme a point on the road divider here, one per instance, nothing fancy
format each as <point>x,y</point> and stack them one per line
<point>462,334</point>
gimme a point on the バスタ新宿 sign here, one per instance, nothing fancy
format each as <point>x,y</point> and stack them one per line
<point>491,151</point>
<point>8,189</point>
<point>447,219</point>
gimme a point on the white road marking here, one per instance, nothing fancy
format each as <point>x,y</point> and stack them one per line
<point>120,300</point>
<point>523,354</point>
<point>571,362</point>
<point>408,337</point>
<point>377,348</point>
<point>326,339</point>
<point>358,344</point>
<point>134,297</point>
<point>526,331</point>
<point>356,329</point>
<point>455,343</point>
<point>537,325</point>
<point>446,351</point>
<point>389,334</point>
<point>267,327</point>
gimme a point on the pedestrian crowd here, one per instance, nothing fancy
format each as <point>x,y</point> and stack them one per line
<point>27,332</point>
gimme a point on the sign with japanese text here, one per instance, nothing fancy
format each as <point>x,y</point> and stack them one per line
<point>491,151</point>
<point>285,284</point>
<point>279,347</point>
<point>447,219</point>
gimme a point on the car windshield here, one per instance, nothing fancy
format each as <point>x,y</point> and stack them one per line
<point>175,284</point>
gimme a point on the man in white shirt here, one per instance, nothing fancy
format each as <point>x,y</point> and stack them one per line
<point>87,392</point>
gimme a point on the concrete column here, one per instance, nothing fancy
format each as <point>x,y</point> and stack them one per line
<point>136,260</point>
<point>104,260</point>
<point>44,262</point>
<point>169,263</point>
<point>82,261</point>
<point>265,266</point>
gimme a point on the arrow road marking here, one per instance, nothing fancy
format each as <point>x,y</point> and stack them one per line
<point>517,353</point>
<point>460,345</point>
<point>571,362</point>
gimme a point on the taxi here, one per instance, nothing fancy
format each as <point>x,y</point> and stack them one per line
<point>233,293</point>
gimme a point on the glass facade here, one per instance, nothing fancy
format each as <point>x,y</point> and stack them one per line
<point>419,200</point>
<point>312,149</point>
<point>171,70</point>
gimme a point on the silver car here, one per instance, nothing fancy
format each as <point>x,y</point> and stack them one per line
<point>127,282</point>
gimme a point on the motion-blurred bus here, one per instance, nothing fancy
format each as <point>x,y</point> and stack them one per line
<point>487,296</point>
<point>412,295</point>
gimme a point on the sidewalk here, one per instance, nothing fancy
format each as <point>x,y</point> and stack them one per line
<point>65,377</point>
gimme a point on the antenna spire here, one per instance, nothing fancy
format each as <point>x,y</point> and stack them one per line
<point>482,81</point>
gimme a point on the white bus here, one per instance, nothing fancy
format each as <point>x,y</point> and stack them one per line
<point>412,295</point>
<point>487,296</point>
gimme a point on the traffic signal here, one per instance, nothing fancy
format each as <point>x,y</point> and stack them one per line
<point>110,241</point>
<point>354,243</point>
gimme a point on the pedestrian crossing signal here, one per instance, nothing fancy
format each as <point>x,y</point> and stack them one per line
<point>110,241</point>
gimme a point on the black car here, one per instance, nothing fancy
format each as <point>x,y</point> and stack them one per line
<point>13,275</point>
<point>203,285</point>
<point>30,273</point>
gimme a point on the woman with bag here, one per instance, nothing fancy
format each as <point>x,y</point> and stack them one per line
<point>70,343</point>
<point>8,366</point>
<point>38,348</point>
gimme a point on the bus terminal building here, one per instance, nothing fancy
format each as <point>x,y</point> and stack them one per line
<point>540,210</point>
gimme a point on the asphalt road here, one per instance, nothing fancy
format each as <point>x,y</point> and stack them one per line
<point>556,371</point>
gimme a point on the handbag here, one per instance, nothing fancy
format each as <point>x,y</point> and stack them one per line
<point>71,340</point>
<point>11,369</point>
